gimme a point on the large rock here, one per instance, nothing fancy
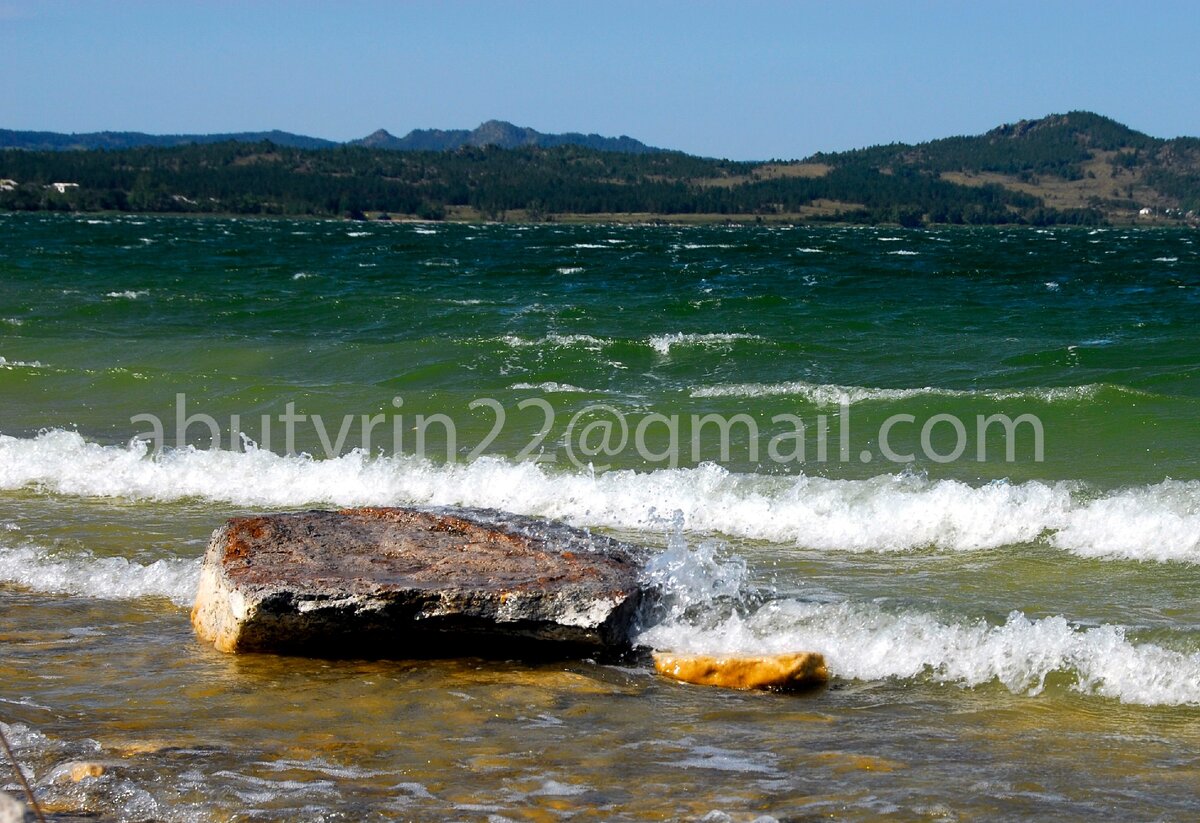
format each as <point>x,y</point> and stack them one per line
<point>773,672</point>
<point>389,582</point>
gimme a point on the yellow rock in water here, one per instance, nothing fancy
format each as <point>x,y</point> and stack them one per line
<point>78,771</point>
<point>776,672</point>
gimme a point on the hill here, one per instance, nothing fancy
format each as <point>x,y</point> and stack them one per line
<point>111,140</point>
<point>501,134</point>
<point>492,133</point>
<point>1073,161</point>
<point>1072,168</point>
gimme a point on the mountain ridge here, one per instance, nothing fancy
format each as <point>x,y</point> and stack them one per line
<point>1077,167</point>
<point>117,140</point>
<point>490,133</point>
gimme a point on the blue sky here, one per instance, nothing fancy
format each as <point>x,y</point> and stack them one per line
<point>747,80</point>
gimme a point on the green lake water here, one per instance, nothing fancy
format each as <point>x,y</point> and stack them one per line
<point>1010,619</point>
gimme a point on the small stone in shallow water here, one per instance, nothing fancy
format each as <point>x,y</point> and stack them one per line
<point>777,672</point>
<point>84,769</point>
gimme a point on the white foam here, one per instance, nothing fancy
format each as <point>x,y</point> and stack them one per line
<point>662,343</point>
<point>20,364</point>
<point>106,578</point>
<point>886,513</point>
<point>550,387</point>
<point>303,275</point>
<point>570,269</point>
<point>1166,260</point>
<point>420,230</point>
<point>127,295</point>
<point>809,250</point>
<point>359,234</point>
<point>828,394</point>
<point>862,641</point>
<point>904,252</point>
<point>558,341</point>
<point>1160,522</point>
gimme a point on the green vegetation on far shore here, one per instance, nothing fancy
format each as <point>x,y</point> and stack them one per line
<point>1077,168</point>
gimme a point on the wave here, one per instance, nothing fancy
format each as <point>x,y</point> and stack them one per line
<point>828,394</point>
<point>104,578</point>
<point>886,513</point>
<point>20,364</point>
<point>1160,522</point>
<point>701,586</point>
<point>662,343</point>
<point>558,341</point>
<point>551,387</point>
<point>864,642</point>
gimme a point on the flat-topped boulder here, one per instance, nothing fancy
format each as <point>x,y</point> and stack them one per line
<point>396,582</point>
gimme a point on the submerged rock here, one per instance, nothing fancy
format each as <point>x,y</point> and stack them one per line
<point>82,770</point>
<point>778,672</point>
<point>13,810</point>
<point>391,582</point>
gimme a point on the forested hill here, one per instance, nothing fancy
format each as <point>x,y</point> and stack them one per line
<point>1073,160</point>
<point>57,141</point>
<point>492,133</point>
<point>1073,168</point>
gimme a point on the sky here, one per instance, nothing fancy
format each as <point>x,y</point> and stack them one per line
<point>746,80</point>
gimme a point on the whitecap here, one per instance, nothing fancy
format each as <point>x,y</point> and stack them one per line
<point>886,513</point>
<point>663,343</point>
<point>21,364</point>
<point>551,387</point>
<point>105,578</point>
<point>865,642</point>
<point>828,394</point>
<point>559,341</point>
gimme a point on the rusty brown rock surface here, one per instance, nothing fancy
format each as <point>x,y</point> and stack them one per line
<point>393,582</point>
<point>776,672</point>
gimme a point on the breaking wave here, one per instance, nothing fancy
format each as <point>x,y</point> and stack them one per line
<point>103,578</point>
<point>863,641</point>
<point>827,394</point>
<point>885,513</point>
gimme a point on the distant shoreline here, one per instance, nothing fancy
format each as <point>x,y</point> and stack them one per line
<point>600,219</point>
<point>1072,169</point>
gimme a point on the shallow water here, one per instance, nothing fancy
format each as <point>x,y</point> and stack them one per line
<point>1008,639</point>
